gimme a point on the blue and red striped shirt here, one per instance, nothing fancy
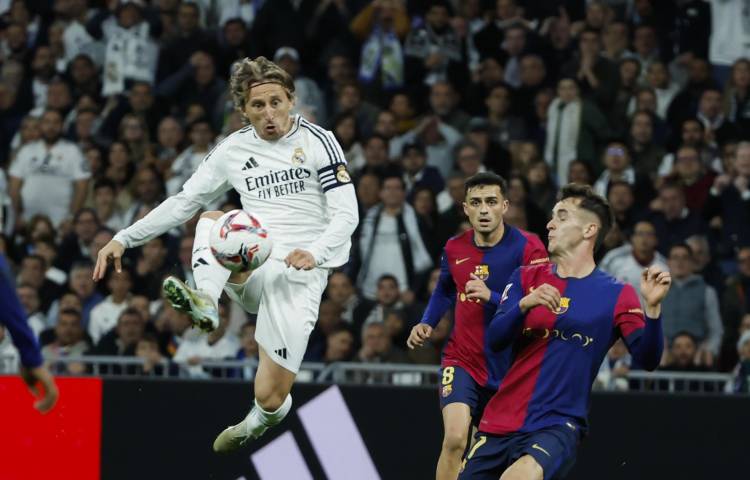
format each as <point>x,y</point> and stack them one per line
<point>467,347</point>
<point>556,355</point>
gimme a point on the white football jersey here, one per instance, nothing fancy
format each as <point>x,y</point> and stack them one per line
<point>298,186</point>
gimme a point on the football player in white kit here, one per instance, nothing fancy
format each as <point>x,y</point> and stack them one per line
<point>292,175</point>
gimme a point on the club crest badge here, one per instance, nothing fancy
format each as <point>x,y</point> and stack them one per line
<point>342,175</point>
<point>482,271</point>
<point>298,157</point>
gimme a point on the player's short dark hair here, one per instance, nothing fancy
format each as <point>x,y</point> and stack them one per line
<point>594,203</point>
<point>486,179</point>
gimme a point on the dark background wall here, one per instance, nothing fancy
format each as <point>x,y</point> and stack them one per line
<point>164,429</point>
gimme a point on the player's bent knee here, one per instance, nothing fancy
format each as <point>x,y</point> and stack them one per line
<point>270,400</point>
<point>213,214</point>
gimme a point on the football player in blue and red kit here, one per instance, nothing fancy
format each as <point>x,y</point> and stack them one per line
<point>560,319</point>
<point>475,266</point>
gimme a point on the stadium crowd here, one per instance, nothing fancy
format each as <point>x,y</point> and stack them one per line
<point>108,106</point>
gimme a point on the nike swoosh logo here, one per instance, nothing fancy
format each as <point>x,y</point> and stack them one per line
<point>461,260</point>
<point>537,447</point>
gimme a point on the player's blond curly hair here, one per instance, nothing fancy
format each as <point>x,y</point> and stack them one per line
<point>246,73</point>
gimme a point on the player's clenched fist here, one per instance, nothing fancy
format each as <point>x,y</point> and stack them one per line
<point>477,289</point>
<point>113,250</point>
<point>419,333</point>
<point>300,259</point>
<point>544,295</point>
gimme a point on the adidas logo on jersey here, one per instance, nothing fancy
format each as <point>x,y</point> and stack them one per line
<point>250,163</point>
<point>281,352</point>
<point>199,262</point>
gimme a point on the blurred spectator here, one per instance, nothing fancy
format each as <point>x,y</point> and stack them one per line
<point>108,213</point>
<point>705,266</point>
<point>9,358</point>
<point>493,156</point>
<point>349,100</point>
<point>76,247</point>
<point>416,171</point>
<point>131,54</point>
<point>685,103</point>
<point>433,51</point>
<point>646,151</point>
<point>69,339</point>
<point>29,298</point>
<point>380,27</point>
<point>104,315</point>
<point>185,269</point>
<point>151,268</point>
<point>344,127</point>
<point>645,46</point>
<point>339,345</point>
<point>430,353</point>
<point>674,222</point>
<point>388,299</point>
<point>614,370</point>
<point>735,304</point>
<point>123,339</point>
<point>691,135</point>
<point>170,136</point>
<point>368,192</point>
<point>201,135</point>
<point>718,129</point>
<point>735,104</point>
<point>505,128</point>
<point>741,383</point>
<point>375,154</point>
<point>81,283</point>
<point>444,102</point>
<point>627,262</point>
<point>574,129</point>
<point>329,317</point>
<point>308,97</point>
<point>148,191</point>
<point>403,109</point>
<point>615,41</point>
<point>729,38</point>
<point>439,140</point>
<point>425,206</point>
<point>729,199</point>
<point>696,180</point>
<point>682,358</point>
<point>197,346</point>
<point>147,349</point>
<point>542,188</point>
<point>596,74</point>
<point>390,242</point>
<point>189,37</point>
<point>692,306</point>
<point>341,292</point>
<point>618,167</point>
<point>377,346</point>
<point>525,214</point>
<point>48,176</point>
<point>31,273</point>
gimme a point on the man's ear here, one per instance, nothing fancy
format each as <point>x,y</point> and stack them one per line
<point>591,230</point>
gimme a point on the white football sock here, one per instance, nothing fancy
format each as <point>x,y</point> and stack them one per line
<point>208,273</point>
<point>258,420</point>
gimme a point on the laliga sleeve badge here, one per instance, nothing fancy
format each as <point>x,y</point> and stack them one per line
<point>342,175</point>
<point>298,157</point>
<point>447,390</point>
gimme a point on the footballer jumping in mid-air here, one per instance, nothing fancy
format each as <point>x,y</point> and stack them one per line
<point>292,175</point>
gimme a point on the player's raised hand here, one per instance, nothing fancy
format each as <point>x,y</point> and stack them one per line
<point>113,250</point>
<point>419,333</point>
<point>654,287</point>
<point>300,259</point>
<point>48,395</point>
<point>477,289</point>
<point>544,295</point>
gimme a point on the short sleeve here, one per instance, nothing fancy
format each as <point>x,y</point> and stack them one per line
<point>629,319</point>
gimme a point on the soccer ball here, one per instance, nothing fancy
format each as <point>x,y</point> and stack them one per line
<point>239,242</point>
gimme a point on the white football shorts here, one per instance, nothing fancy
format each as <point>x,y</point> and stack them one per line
<point>287,301</point>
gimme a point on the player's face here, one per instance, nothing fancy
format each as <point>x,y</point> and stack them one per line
<point>569,227</point>
<point>485,206</point>
<point>268,108</point>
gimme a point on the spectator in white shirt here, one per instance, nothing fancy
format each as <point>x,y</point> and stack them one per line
<point>49,176</point>
<point>217,345</point>
<point>103,317</point>
<point>627,262</point>
<point>29,298</point>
